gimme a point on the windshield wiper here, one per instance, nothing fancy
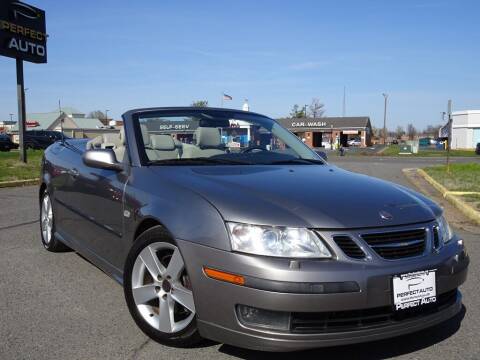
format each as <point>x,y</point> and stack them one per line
<point>299,161</point>
<point>200,161</point>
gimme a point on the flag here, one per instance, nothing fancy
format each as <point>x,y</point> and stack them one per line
<point>227,97</point>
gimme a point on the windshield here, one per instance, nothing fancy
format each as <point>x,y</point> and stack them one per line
<point>200,137</point>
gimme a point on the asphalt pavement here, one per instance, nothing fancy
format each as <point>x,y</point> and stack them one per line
<point>59,306</point>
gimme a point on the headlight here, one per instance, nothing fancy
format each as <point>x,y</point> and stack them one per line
<point>444,230</point>
<point>277,241</point>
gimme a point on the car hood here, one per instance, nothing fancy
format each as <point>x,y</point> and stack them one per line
<point>314,196</point>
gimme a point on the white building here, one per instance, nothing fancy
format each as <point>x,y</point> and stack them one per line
<point>465,129</point>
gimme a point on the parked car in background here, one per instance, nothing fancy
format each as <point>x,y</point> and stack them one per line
<point>354,142</point>
<point>6,144</point>
<point>41,139</point>
<point>249,246</point>
<point>477,150</point>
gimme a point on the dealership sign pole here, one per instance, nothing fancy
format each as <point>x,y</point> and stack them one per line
<point>22,37</point>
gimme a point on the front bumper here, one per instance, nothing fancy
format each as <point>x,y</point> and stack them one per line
<point>215,301</point>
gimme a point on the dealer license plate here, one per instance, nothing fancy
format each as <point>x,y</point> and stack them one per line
<point>414,289</point>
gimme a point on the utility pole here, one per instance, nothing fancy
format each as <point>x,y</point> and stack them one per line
<point>385,119</point>
<point>21,110</point>
<point>305,111</point>
<point>106,116</point>
<point>449,112</point>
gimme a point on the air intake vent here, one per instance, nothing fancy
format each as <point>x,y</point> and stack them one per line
<point>349,247</point>
<point>397,245</point>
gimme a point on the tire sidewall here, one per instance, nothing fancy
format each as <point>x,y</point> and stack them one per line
<point>183,338</point>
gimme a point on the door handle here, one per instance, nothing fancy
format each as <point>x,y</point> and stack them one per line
<point>74,172</point>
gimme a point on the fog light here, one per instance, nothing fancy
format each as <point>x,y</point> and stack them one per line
<point>250,316</point>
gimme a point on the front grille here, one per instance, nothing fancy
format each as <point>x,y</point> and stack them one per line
<point>348,246</point>
<point>305,323</point>
<point>398,244</point>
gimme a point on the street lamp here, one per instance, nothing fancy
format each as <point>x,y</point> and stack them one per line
<point>385,119</point>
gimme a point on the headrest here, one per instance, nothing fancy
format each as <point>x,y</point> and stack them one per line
<point>145,135</point>
<point>207,137</point>
<point>122,136</point>
<point>111,138</point>
<point>162,142</point>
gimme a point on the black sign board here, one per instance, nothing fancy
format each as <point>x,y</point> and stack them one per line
<point>22,32</point>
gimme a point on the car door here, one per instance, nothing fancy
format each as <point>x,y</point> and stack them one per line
<point>97,198</point>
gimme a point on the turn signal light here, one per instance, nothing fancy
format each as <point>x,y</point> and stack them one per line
<point>224,276</point>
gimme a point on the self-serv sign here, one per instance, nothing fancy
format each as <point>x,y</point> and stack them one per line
<point>22,32</point>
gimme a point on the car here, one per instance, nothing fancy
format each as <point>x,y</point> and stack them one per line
<point>41,139</point>
<point>253,246</point>
<point>6,144</point>
<point>354,142</point>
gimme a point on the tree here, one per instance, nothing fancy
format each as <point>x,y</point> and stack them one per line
<point>399,132</point>
<point>432,131</point>
<point>97,114</point>
<point>411,131</point>
<point>200,103</point>
<point>317,108</point>
<point>376,132</point>
<point>297,112</point>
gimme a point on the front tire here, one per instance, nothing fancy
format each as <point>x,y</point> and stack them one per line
<point>47,226</point>
<point>158,291</point>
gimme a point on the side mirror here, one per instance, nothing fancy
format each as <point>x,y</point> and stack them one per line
<point>323,155</point>
<point>102,159</point>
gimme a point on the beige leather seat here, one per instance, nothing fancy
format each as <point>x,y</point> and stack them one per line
<point>120,149</point>
<point>208,143</point>
<point>114,141</point>
<point>161,147</point>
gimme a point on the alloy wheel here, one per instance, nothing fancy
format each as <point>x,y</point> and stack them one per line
<point>46,219</point>
<point>161,288</point>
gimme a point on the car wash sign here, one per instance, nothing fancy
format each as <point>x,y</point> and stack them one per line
<point>22,32</point>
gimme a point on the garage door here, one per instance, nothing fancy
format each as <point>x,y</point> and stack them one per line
<point>476,136</point>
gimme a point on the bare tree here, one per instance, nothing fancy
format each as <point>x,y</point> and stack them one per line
<point>100,115</point>
<point>432,130</point>
<point>411,131</point>
<point>399,132</point>
<point>297,112</point>
<point>200,103</point>
<point>317,108</point>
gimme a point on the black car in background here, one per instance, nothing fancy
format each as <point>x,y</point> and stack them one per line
<point>6,144</point>
<point>41,139</point>
<point>477,150</point>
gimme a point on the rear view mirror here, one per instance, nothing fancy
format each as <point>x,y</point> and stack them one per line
<point>102,159</point>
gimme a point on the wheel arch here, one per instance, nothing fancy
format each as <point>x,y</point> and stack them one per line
<point>43,187</point>
<point>147,224</point>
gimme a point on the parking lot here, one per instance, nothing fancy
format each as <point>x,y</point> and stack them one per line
<point>59,306</point>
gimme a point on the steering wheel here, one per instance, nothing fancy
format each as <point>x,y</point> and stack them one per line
<point>253,147</point>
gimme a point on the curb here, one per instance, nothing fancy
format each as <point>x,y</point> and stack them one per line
<point>461,205</point>
<point>4,184</point>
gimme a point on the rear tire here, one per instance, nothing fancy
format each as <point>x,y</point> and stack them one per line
<point>47,226</point>
<point>155,266</point>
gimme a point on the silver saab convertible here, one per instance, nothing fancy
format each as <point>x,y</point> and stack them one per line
<point>221,224</point>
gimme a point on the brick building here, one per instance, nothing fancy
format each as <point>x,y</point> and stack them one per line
<point>322,132</point>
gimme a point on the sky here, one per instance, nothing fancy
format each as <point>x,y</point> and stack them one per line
<point>119,55</point>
